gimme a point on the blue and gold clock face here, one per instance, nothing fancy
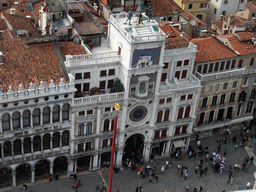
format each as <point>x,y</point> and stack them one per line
<point>138,113</point>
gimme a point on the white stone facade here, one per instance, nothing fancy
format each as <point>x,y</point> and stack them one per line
<point>225,8</point>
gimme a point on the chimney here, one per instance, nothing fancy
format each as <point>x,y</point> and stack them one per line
<point>203,33</point>
<point>28,17</point>
<point>16,4</point>
<point>1,58</point>
<point>12,11</point>
<point>221,17</point>
<point>45,3</point>
<point>230,19</point>
<point>253,42</point>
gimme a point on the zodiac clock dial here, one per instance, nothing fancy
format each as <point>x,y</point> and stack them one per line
<point>138,113</point>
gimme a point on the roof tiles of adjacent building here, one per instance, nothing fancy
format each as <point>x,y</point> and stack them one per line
<point>235,20</point>
<point>218,23</point>
<point>71,48</point>
<point>174,38</point>
<point>251,5</point>
<point>188,16</point>
<point>22,64</point>
<point>3,25</point>
<point>186,1</point>
<point>165,7</point>
<point>211,49</point>
<point>240,42</point>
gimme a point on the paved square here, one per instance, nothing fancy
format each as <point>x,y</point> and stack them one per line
<point>126,181</point>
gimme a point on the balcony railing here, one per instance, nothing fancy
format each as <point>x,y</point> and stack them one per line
<point>193,82</point>
<point>220,75</point>
<point>98,98</point>
<point>90,59</point>
<point>250,70</point>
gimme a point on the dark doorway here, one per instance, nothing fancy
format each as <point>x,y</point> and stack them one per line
<point>42,169</point>
<point>23,173</point>
<point>5,177</point>
<point>134,147</point>
<point>220,115</point>
<point>60,165</point>
<point>83,163</point>
<point>105,159</point>
<point>157,149</point>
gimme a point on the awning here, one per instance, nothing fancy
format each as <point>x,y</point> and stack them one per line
<point>179,144</point>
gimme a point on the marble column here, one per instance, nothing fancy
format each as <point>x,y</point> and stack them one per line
<point>51,168</point>
<point>95,162</point>
<point>167,148</point>
<point>90,166</point>
<point>32,174</point>
<point>14,179</point>
<point>163,151</point>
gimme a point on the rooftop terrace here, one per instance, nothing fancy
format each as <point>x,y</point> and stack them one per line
<point>137,32</point>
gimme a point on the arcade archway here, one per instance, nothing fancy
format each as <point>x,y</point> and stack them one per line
<point>134,147</point>
<point>60,165</point>
<point>23,173</point>
<point>83,163</point>
<point>5,177</point>
<point>42,169</point>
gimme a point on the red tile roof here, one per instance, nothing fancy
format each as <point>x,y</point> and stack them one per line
<point>71,48</point>
<point>174,39</point>
<point>20,22</point>
<point>235,20</point>
<point>164,7</point>
<point>241,42</point>
<point>38,62</point>
<point>218,23</point>
<point>3,25</point>
<point>251,5</point>
<point>188,16</point>
<point>211,49</point>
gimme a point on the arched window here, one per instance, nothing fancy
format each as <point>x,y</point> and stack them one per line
<point>242,96</point>
<point>65,138</point>
<point>56,113</point>
<point>6,121</point>
<point>26,118</point>
<point>187,112</point>
<point>159,116</point>
<point>46,142</point>
<point>37,143</point>
<point>7,149</point>
<point>166,115</point>
<point>65,112</point>
<point>56,140</point>
<point>180,113</point>
<point>16,120</point>
<point>27,145</point>
<point>36,117</point>
<point>17,147</point>
<point>106,125</point>
<point>46,115</point>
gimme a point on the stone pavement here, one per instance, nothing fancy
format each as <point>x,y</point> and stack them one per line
<point>126,181</point>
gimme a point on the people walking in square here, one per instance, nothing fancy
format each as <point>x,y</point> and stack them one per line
<point>185,176</point>
<point>248,185</point>
<point>246,168</point>
<point>97,186</point>
<point>236,147</point>
<point>200,189</point>
<point>232,180</point>
<point>187,188</point>
<point>195,189</point>
<point>162,170</point>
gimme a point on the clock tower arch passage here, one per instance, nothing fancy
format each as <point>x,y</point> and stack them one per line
<point>134,147</point>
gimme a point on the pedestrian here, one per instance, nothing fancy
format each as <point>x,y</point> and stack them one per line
<point>162,170</point>
<point>187,188</point>
<point>225,152</point>
<point>236,147</point>
<point>200,189</point>
<point>219,148</point>
<point>97,186</point>
<point>232,180</point>
<point>185,175</point>
<point>248,185</point>
<point>156,177</point>
<point>205,170</point>
<point>150,179</point>
<point>229,177</point>
<point>140,189</point>
<point>195,189</point>
<point>246,168</point>
<point>144,174</point>
<point>50,178</point>
<point>196,169</point>
<point>137,189</point>
<point>201,172</point>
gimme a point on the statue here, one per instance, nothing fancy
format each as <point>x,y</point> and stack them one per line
<point>129,16</point>
<point>150,13</point>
